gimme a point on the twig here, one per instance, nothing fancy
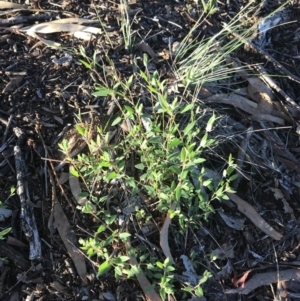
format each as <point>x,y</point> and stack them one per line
<point>7,128</point>
<point>251,45</point>
<point>275,87</point>
<point>28,223</point>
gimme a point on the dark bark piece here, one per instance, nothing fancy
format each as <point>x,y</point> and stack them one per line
<point>13,255</point>
<point>28,223</point>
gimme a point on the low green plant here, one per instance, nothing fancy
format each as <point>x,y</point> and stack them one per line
<point>210,7</point>
<point>161,154</point>
<point>126,25</point>
<point>4,232</point>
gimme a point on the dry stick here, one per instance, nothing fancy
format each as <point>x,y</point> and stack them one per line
<point>275,87</point>
<point>28,223</point>
<point>45,163</point>
<point>7,128</point>
<point>25,19</point>
<point>61,188</point>
<point>289,75</point>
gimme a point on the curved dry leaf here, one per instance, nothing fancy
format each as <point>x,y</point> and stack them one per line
<point>252,214</point>
<point>259,91</point>
<point>69,239</point>
<point>145,47</point>
<point>142,279</point>
<point>234,100</point>
<point>163,237</point>
<point>7,5</point>
<point>266,279</point>
<point>49,43</point>
<point>82,35</point>
<point>51,27</point>
<point>13,84</point>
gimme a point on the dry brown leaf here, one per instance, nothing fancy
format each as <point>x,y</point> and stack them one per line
<point>234,100</point>
<point>241,281</point>
<point>259,91</point>
<point>252,214</point>
<point>164,237</point>
<point>266,279</point>
<point>286,206</point>
<point>69,240</point>
<point>142,279</point>
<point>13,84</point>
<point>204,93</point>
<point>145,47</point>
<point>51,27</point>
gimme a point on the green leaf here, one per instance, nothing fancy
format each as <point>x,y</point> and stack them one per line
<point>189,127</point>
<point>144,76</point>
<point>186,108</point>
<point>175,142</point>
<point>74,173</point>
<point>204,140</point>
<point>225,197</point>
<point>4,232</point>
<point>80,129</point>
<point>102,92</point>
<point>130,110</point>
<point>210,123</point>
<point>199,292</point>
<point>207,182</point>
<point>183,154</point>
<point>118,271</point>
<point>155,140</point>
<point>109,220</point>
<point>178,194</point>
<point>140,166</point>
<point>144,257</point>
<point>160,264</point>
<point>124,235</point>
<point>112,175</point>
<point>12,189</point>
<point>233,177</point>
<point>116,121</point>
<point>85,64</point>
<point>104,268</point>
<point>101,229</point>
<point>83,194</point>
<point>124,258</point>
